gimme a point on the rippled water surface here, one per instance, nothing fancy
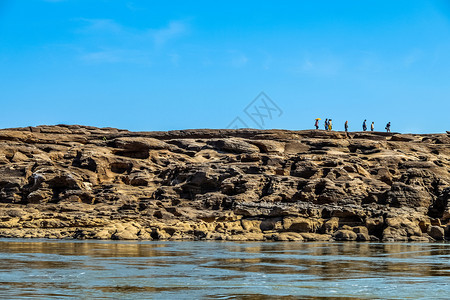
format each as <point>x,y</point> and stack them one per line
<point>223,270</point>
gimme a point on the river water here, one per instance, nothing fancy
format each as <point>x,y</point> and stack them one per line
<point>223,270</point>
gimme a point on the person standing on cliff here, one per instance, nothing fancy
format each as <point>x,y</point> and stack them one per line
<point>330,125</point>
<point>388,127</point>
<point>364,125</point>
<point>346,126</point>
<point>372,126</point>
<point>326,124</point>
<point>317,124</point>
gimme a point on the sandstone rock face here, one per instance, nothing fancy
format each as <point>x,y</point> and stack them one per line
<point>71,181</point>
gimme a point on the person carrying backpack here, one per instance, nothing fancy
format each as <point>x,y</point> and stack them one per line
<point>388,127</point>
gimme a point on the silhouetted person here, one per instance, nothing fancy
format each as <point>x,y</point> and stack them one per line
<point>364,125</point>
<point>317,124</point>
<point>346,126</point>
<point>326,124</point>
<point>388,127</point>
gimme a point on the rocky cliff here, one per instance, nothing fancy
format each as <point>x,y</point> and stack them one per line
<point>104,183</point>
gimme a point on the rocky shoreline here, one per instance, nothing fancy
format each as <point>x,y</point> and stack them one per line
<point>82,182</point>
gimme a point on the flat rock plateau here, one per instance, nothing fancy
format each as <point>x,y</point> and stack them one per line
<point>82,182</point>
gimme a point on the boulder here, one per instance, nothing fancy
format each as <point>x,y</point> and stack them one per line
<point>437,233</point>
<point>139,144</point>
<point>331,225</point>
<point>345,235</point>
<point>401,195</point>
<point>288,236</point>
<point>299,224</point>
<point>308,236</point>
<point>233,145</point>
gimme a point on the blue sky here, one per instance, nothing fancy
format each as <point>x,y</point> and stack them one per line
<point>151,65</point>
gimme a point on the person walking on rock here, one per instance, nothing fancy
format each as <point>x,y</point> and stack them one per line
<point>326,124</point>
<point>388,127</point>
<point>372,126</point>
<point>346,126</point>
<point>330,125</point>
<point>317,124</point>
<point>364,125</point>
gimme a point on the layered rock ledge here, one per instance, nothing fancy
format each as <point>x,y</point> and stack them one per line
<point>70,181</point>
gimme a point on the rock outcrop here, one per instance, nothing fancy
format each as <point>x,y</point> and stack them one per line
<point>70,181</point>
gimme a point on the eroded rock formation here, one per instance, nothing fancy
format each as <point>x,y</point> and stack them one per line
<point>104,183</point>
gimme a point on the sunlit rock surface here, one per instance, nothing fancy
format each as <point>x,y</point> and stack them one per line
<point>104,183</point>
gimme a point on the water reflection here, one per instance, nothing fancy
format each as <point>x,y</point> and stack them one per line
<point>222,270</point>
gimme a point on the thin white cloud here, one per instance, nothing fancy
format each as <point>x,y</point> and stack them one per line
<point>368,62</point>
<point>96,26</point>
<point>412,57</point>
<point>116,56</point>
<point>307,65</point>
<point>163,35</point>
<point>238,59</point>
<point>159,36</point>
<point>175,59</point>
<point>101,56</point>
<point>320,65</point>
<point>125,44</point>
<point>267,62</point>
<point>131,5</point>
